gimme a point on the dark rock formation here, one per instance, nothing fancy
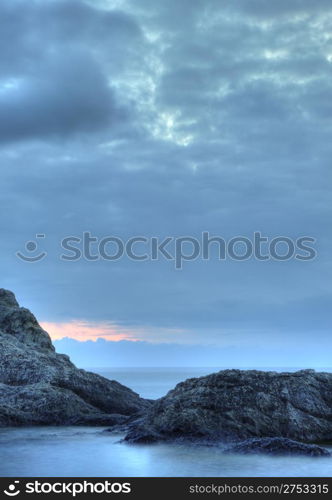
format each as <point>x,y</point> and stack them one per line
<point>234,405</point>
<point>39,386</point>
<point>277,446</point>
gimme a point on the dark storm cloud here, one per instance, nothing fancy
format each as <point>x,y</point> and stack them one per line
<point>53,82</point>
<point>168,118</point>
<point>69,95</point>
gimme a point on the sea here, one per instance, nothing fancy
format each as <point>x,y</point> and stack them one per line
<point>94,452</point>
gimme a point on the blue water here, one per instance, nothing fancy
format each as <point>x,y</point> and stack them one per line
<point>69,451</point>
<point>152,383</point>
<point>86,451</point>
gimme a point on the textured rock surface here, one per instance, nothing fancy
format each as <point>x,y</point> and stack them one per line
<point>39,386</point>
<point>278,446</point>
<point>236,405</point>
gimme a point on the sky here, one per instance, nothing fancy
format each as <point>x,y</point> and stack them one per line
<point>155,119</point>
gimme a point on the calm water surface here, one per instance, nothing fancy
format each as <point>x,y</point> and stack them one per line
<point>69,451</point>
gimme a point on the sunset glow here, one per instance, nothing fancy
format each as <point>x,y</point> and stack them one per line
<point>82,330</point>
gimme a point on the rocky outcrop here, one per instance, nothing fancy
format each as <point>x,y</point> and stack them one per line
<point>234,405</point>
<point>39,386</point>
<point>277,446</point>
<point>21,324</point>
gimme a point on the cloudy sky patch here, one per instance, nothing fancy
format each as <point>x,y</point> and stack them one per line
<point>171,118</point>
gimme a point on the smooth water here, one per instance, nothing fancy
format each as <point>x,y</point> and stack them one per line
<point>152,383</point>
<point>92,452</point>
<point>81,452</point>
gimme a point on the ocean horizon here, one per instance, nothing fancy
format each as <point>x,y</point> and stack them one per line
<point>155,382</point>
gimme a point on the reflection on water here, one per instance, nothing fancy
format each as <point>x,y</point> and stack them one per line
<point>79,452</point>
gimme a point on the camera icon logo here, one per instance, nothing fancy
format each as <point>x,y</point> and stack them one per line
<point>31,247</point>
<point>12,491</point>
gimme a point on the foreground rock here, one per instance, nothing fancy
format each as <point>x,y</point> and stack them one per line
<point>39,386</point>
<point>234,405</point>
<point>277,446</point>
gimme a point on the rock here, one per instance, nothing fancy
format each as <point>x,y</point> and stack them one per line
<point>277,446</point>
<point>234,405</point>
<point>21,324</point>
<point>139,433</point>
<point>39,386</point>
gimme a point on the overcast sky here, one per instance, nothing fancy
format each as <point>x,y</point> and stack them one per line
<point>159,118</point>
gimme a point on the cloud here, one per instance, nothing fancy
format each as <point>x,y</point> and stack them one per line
<point>54,80</point>
<point>168,118</point>
<point>81,330</point>
<point>108,355</point>
<point>69,96</point>
<point>273,10</point>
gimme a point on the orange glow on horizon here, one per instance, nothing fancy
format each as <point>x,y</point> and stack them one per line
<point>82,330</point>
